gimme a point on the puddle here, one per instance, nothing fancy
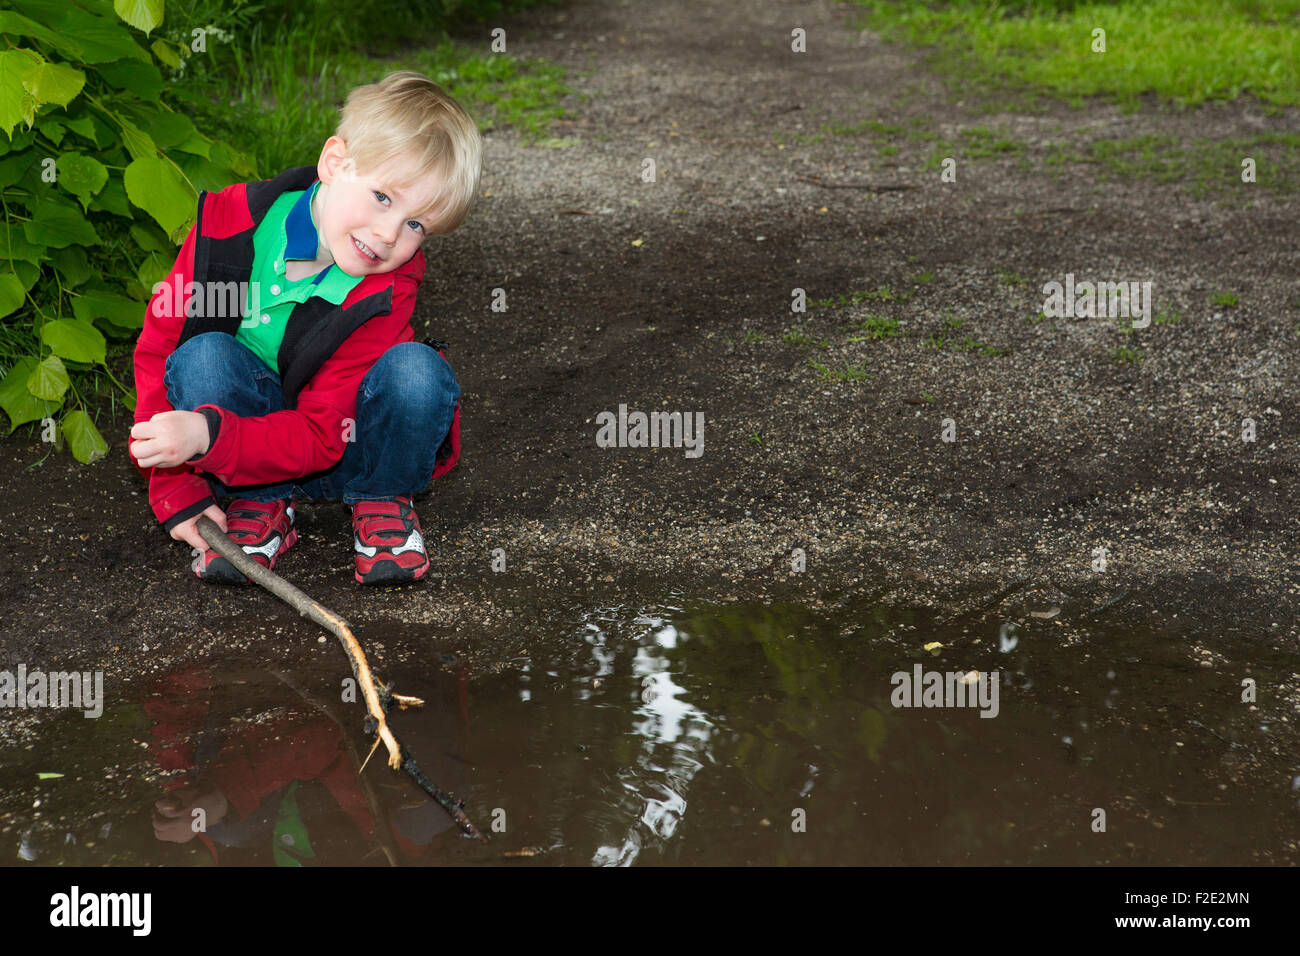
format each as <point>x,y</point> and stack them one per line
<point>731,735</point>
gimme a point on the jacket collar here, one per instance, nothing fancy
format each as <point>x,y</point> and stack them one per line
<point>261,194</point>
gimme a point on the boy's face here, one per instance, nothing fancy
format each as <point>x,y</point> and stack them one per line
<point>370,222</point>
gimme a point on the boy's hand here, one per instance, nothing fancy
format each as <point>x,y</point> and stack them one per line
<point>173,815</point>
<point>188,530</point>
<point>169,438</point>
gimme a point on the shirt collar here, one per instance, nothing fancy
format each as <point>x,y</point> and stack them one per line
<point>300,231</point>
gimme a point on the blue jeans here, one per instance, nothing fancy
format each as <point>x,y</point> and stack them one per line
<point>404,411</point>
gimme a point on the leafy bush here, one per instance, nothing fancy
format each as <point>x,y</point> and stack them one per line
<point>100,175</point>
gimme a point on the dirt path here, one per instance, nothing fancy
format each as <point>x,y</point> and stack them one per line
<point>1060,447</point>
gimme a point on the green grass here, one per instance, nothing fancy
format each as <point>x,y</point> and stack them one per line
<point>1207,167</point>
<point>1223,297</point>
<point>1183,51</point>
<point>1165,316</point>
<point>875,327</point>
<point>976,142</point>
<point>798,336</point>
<point>1123,353</point>
<point>279,94</point>
<point>850,373</point>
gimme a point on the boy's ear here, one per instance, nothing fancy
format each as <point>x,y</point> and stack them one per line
<point>332,157</point>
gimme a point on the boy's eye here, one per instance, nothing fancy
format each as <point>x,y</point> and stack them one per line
<point>383,197</point>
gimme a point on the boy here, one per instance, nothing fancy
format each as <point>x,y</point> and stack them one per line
<point>278,358</point>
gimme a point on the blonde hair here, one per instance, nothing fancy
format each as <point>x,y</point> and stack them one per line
<point>406,113</point>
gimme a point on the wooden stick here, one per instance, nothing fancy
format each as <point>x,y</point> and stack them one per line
<point>377,696</point>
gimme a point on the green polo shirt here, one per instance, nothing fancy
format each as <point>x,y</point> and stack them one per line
<point>288,231</point>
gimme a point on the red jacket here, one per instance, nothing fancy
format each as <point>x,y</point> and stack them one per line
<point>327,351</point>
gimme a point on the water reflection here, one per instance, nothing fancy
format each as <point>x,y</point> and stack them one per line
<point>254,768</point>
<point>687,734</point>
<point>674,737</point>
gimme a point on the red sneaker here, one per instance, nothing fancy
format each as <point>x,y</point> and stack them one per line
<point>388,541</point>
<point>264,529</point>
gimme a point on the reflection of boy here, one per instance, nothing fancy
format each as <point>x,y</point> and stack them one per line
<point>316,388</point>
<point>281,785</point>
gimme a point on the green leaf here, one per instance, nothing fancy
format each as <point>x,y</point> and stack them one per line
<point>80,35</point>
<point>13,63</point>
<point>57,226</point>
<point>159,189</point>
<point>15,24</point>
<point>49,379</point>
<point>17,400</point>
<point>117,309</point>
<point>27,273</point>
<point>105,132</point>
<point>148,238</point>
<point>113,199</point>
<point>74,269</point>
<point>86,441</point>
<point>103,39</point>
<point>142,79</point>
<point>48,776</point>
<point>144,15</point>
<point>13,167</point>
<point>170,129</point>
<point>52,127</point>
<point>164,52</point>
<point>75,340</point>
<point>197,144</point>
<point>129,399</point>
<point>82,175</point>
<point>83,126</point>
<point>53,83</point>
<point>13,245</point>
<point>17,141</point>
<point>154,269</point>
<point>137,142</point>
<point>28,108</point>
<point>12,294</point>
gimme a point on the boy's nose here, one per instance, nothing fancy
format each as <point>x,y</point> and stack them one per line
<point>386,230</point>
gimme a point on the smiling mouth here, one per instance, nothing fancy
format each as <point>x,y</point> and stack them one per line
<point>364,250</point>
